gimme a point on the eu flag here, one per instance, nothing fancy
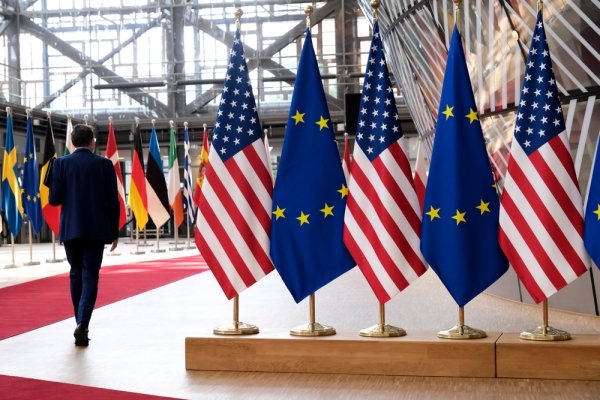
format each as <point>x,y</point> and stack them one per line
<point>591,232</point>
<point>459,236</point>
<point>32,202</point>
<point>11,192</point>
<point>309,197</point>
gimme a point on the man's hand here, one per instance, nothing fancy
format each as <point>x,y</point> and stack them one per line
<point>114,244</point>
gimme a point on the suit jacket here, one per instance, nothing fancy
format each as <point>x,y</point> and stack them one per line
<point>85,185</point>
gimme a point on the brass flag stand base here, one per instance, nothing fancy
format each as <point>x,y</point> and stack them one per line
<point>312,328</point>
<point>30,262</point>
<point>545,332</point>
<point>236,327</point>
<point>12,247</point>
<point>461,331</point>
<point>382,329</point>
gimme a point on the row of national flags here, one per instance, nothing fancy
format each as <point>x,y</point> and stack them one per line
<point>323,216</point>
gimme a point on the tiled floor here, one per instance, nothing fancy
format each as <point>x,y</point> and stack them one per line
<point>138,343</point>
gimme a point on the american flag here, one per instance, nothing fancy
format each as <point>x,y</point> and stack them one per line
<point>541,222</point>
<point>234,211</point>
<point>382,223</point>
<point>187,178</point>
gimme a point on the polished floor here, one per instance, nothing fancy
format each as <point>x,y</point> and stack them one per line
<point>138,343</point>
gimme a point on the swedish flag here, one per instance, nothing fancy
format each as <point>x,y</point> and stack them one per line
<point>459,238</point>
<point>309,197</point>
<point>11,192</point>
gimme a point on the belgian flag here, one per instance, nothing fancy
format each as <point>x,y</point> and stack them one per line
<point>51,213</point>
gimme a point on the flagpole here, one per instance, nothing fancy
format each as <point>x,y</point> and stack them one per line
<point>30,262</point>
<point>54,259</point>
<point>12,245</point>
<point>461,331</point>
<point>382,330</point>
<point>137,241</point>
<point>236,327</point>
<point>190,202</point>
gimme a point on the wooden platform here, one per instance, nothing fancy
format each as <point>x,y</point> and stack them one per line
<point>345,353</point>
<point>578,358</point>
<point>417,354</point>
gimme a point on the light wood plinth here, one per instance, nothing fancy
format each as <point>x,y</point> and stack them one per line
<point>417,354</point>
<point>578,358</point>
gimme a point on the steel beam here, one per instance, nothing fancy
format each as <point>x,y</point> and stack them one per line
<point>83,60</point>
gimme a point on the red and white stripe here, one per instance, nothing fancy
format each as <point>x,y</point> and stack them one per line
<point>382,223</point>
<point>113,155</point>
<point>420,175</point>
<point>234,218</point>
<point>541,218</point>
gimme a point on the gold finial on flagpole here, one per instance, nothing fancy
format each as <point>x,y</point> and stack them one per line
<point>110,119</point>
<point>172,124</point>
<point>375,6</point>
<point>540,5</point>
<point>238,15</point>
<point>457,4</point>
<point>137,121</point>
<point>28,112</point>
<point>308,10</point>
<point>153,122</point>
<point>9,111</point>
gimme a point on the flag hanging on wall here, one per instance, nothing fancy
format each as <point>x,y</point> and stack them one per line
<point>382,220</point>
<point>188,199</point>
<point>234,208</point>
<point>202,168</point>
<point>156,189</point>
<point>31,181</point>
<point>138,199</point>
<point>51,213</point>
<point>541,218</point>
<point>112,154</point>
<point>592,212</point>
<point>310,191</point>
<point>460,224</point>
<point>11,190</point>
<point>174,187</point>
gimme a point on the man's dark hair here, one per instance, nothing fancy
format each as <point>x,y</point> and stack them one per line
<point>82,135</point>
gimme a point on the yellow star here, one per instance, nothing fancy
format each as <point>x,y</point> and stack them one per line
<point>459,217</point>
<point>30,156</point>
<point>597,212</point>
<point>433,213</point>
<point>279,213</point>
<point>472,115</point>
<point>24,159</point>
<point>28,197</point>
<point>448,112</point>
<point>299,117</point>
<point>483,206</point>
<point>343,191</point>
<point>303,218</point>
<point>322,123</point>
<point>327,210</point>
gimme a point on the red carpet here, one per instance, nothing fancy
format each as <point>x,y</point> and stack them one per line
<point>15,388</point>
<point>34,304</point>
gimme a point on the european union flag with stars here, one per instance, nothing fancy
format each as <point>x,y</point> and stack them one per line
<point>459,236</point>
<point>309,197</point>
<point>591,234</point>
<point>31,184</point>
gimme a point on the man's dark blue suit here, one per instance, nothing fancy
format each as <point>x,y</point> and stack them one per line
<point>85,185</point>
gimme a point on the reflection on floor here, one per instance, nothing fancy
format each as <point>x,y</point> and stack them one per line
<point>138,344</point>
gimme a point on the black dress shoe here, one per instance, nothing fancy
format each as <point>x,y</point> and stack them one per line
<point>81,336</point>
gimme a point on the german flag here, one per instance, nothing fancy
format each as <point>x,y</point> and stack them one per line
<point>138,200</point>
